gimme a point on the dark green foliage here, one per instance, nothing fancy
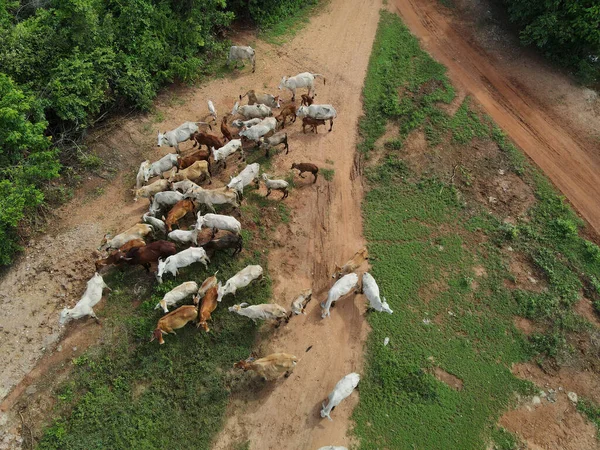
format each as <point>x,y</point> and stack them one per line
<point>565,31</point>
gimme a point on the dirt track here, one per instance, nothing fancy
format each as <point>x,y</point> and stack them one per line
<point>570,159</point>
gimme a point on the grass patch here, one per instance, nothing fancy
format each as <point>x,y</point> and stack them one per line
<point>327,174</point>
<point>591,411</point>
<point>291,18</point>
<point>130,393</point>
<point>426,236</point>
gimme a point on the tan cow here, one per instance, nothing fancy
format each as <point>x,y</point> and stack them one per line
<point>151,189</point>
<point>270,367</point>
<point>173,321</point>
<point>208,305</point>
<point>357,260</point>
<point>138,231</point>
<point>195,172</point>
<point>178,212</point>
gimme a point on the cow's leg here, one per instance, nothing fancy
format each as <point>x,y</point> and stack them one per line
<point>300,174</point>
<point>285,194</point>
<point>287,147</point>
<point>268,192</point>
<point>330,124</point>
<point>316,174</point>
<point>293,94</point>
<point>267,152</point>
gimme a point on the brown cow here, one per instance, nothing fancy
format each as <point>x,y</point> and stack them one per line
<point>207,306</point>
<point>357,260</point>
<point>307,167</point>
<point>150,253</point>
<point>178,212</point>
<point>228,133</point>
<point>207,284</point>
<point>307,100</point>
<point>286,111</point>
<point>115,257</point>
<point>173,321</point>
<point>270,367</point>
<point>225,241</point>
<point>208,139</point>
<point>312,123</point>
<point>186,161</point>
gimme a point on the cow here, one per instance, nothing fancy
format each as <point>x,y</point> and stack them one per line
<point>342,389</point>
<point>115,257</point>
<point>241,279</point>
<point>300,302</point>
<point>159,167</point>
<point>320,112</point>
<point>173,321</point>
<point>210,140</point>
<point>156,223</point>
<point>196,236</point>
<point>219,221</point>
<point>306,167</point>
<point>180,134</point>
<point>371,291</point>
<point>278,185</point>
<point>210,197</point>
<point>207,284</point>
<point>288,110</point>
<point>254,133</point>
<point>178,212</point>
<point>244,178</point>
<point>229,240</point>
<point>85,305</point>
<point>197,171</point>
<point>312,123</point>
<point>304,79</point>
<point>183,186</point>
<point>152,189</point>
<point>174,296</point>
<point>264,311</point>
<point>138,231</point>
<point>341,287</point>
<point>207,305</point>
<point>270,367</point>
<point>255,111</point>
<point>227,132</point>
<point>140,178</point>
<point>183,162</point>
<point>246,123</point>
<point>266,99</point>
<point>351,265</point>
<point>241,53</point>
<point>221,154</point>
<point>278,138</point>
<point>150,253</point>
<point>164,200</point>
<point>184,258</point>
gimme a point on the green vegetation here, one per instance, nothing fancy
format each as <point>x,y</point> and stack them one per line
<point>566,32</point>
<point>591,411</point>
<point>131,393</point>
<point>286,19</point>
<point>327,173</point>
<point>440,259</point>
<point>65,65</point>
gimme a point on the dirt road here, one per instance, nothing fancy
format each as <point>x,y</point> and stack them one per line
<point>567,156</point>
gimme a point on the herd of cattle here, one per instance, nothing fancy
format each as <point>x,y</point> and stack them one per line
<point>177,193</point>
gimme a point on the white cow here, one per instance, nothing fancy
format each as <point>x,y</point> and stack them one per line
<point>89,299</point>
<point>140,178</point>
<point>212,110</point>
<point>304,79</point>
<point>241,53</point>
<point>210,197</point>
<point>265,311</point>
<point>278,185</point>
<point>151,189</point>
<point>255,111</point>
<point>157,168</point>
<point>255,132</point>
<point>342,389</point>
<point>324,112</point>
<point>184,236</point>
<point>227,150</point>
<point>341,287</point>
<point>371,291</point>
<point>184,258</point>
<point>299,304</point>
<point>246,123</point>
<point>156,223</point>
<point>180,134</point>
<point>184,186</point>
<point>278,138</point>
<point>241,279</point>
<point>219,221</point>
<point>164,200</point>
<point>138,231</point>
<point>244,178</point>
<point>174,296</point>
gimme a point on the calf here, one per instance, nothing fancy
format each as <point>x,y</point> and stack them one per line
<point>140,177</point>
<point>357,260</point>
<point>207,306</point>
<point>307,100</point>
<point>89,299</point>
<point>241,279</point>
<point>312,123</point>
<point>178,212</point>
<point>307,167</point>
<point>228,133</point>
<point>371,291</point>
<point>173,321</point>
<point>186,161</point>
<point>244,178</point>
<point>278,185</point>
<point>174,296</point>
<point>151,189</point>
<point>341,287</point>
<point>342,389</point>
<point>138,231</point>
<point>278,138</point>
<point>229,240</point>
<point>115,257</point>
<point>265,311</point>
<point>324,112</point>
<point>148,254</point>
<point>210,140</point>
<point>159,167</point>
<point>196,236</point>
<point>270,367</point>
<point>299,304</point>
<point>195,172</point>
<point>182,259</point>
<point>288,110</point>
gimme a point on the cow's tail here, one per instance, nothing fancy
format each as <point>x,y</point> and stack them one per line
<point>319,75</point>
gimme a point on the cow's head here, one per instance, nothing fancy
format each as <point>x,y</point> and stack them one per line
<point>278,105</point>
<point>161,136</point>
<point>65,316</point>
<point>302,111</point>
<point>158,334</point>
<point>282,82</point>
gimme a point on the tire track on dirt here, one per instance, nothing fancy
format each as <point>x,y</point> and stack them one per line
<point>558,150</point>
